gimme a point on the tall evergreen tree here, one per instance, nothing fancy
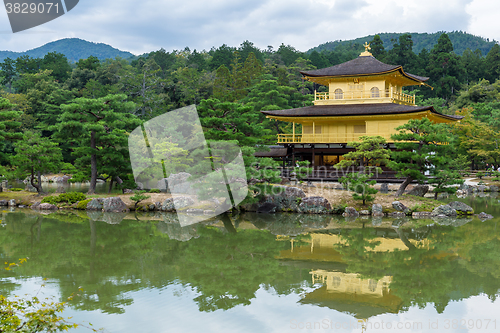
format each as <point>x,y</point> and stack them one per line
<point>416,143</point>
<point>492,62</point>
<point>98,129</point>
<point>377,48</point>
<point>444,68</point>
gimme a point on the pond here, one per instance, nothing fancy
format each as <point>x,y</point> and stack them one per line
<point>260,273</point>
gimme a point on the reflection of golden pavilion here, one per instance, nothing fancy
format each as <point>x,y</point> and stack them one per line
<point>341,291</point>
<point>350,283</point>
<point>321,247</point>
<point>346,292</point>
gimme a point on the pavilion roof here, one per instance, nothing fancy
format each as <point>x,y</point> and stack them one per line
<point>355,110</point>
<point>363,65</point>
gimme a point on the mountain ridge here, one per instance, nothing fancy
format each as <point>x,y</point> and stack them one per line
<point>73,48</point>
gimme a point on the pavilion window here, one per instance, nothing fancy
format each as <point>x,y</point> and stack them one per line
<point>375,92</point>
<point>339,94</point>
<point>309,129</point>
<point>359,128</point>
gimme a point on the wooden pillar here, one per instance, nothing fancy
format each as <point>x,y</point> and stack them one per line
<point>293,156</point>
<point>313,158</point>
<point>293,131</point>
<point>314,132</point>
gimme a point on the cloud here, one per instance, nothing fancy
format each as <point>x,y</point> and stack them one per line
<point>148,25</point>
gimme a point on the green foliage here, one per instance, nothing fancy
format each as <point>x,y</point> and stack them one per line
<point>359,183</point>
<point>480,174</point>
<point>35,155</point>
<point>128,183</point>
<point>154,190</point>
<point>70,197</point>
<point>417,143</point>
<point>368,155</point>
<point>53,200</point>
<point>68,168</point>
<point>15,189</point>
<point>302,170</point>
<point>138,197</point>
<point>82,205</point>
<point>79,177</point>
<point>30,314</point>
<point>338,209</point>
<point>98,128</point>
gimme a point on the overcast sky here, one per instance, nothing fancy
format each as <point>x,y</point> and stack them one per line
<point>144,26</point>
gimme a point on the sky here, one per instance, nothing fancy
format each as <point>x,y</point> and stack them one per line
<point>145,26</point>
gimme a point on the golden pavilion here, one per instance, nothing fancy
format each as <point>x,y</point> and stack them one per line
<point>364,97</point>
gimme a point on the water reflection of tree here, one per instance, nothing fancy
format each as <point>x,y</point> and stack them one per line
<point>109,262</point>
<point>356,249</point>
<point>227,268</point>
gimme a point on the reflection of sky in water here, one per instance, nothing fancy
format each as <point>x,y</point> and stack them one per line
<point>172,309</point>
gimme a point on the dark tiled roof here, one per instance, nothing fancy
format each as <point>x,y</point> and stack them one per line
<point>273,152</point>
<point>354,110</point>
<point>360,66</point>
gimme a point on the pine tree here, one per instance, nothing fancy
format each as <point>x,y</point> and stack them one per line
<point>98,129</point>
<point>36,155</point>
<point>417,141</point>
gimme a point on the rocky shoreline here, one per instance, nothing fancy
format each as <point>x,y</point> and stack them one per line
<point>287,199</point>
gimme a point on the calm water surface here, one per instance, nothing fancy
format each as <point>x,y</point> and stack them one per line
<point>261,273</point>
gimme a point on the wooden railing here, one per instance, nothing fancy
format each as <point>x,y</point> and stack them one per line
<point>365,94</point>
<point>326,138</point>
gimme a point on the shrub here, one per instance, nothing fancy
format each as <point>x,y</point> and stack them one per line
<point>154,190</point>
<point>82,205</point>
<point>72,197</point>
<point>51,200</point>
<point>138,197</point>
<point>16,189</point>
<point>338,209</point>
<point>480,174</point>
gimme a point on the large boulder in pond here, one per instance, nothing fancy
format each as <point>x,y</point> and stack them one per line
<point>445,210</point>
<point>350,211</point>
<point>315,205</point>
<point>399,206</point>
<point>4,203</point>
<point>494,188</point>
<point>12,203</point>
<point>114,205</point>
<point>377,210</point>
<point>95,204</point>
<point>286,199</point>
<point>419,190</point>
<point>461,208</point>
<point>47,206</point>
<point>293,192</point>
<point>267,208</point>
<point>171,204</point>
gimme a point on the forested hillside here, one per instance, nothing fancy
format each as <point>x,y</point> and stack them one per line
<point>89,109</point>
<point>461,41</point>
<point>73,48</point>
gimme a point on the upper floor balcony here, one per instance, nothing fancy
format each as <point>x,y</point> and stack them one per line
<point>328,138</point>
<point>373,95</point>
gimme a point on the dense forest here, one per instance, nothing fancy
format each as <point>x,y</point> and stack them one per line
<point>79,114</point>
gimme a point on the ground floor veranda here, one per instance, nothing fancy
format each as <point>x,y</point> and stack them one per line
<point>322,158</point>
